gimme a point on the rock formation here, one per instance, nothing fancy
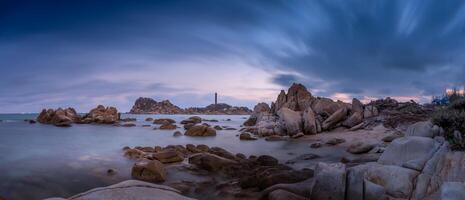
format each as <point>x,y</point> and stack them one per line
<point>150,106</point>
<point>66,117</point>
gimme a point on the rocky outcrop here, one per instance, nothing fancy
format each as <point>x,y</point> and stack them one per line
<point>66,117</point>
<point>59,117</point>
<point>150,106</point>
<point>298,98</point>
<point>102,115</point>
<point>290,121</point>
<point>200,130</point>
<point>149,170</point>
<point>259,111</point>
<point>131,189</point>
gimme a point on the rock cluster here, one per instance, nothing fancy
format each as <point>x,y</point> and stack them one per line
<point>150,106</point>
<point>297,111</point>
<point>66,117</point>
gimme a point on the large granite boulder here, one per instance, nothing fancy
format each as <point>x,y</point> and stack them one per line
<point>325,107</point>
<point>357,106</point>
<point>298,98</point>
<point>130,189</point>
<point>355,119</point>
<point>423,129</point>
<point>150,106</point>
<point>200,130</point>
<point>102,115</point>
<point>310,121</point>
<point>410,152</point>
<point>397,181</point>
<point>290,121</point>
<point>329,181</point>
<point>149,170</point>
<point>453,191</point>
<point>370,111</point>
<point>211,162</point>
<point>334,119</point>
<point>259,110</point>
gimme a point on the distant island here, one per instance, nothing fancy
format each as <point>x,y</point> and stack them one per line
<point>145,105</point>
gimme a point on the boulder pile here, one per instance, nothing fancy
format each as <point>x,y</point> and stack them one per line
<point>66,117</point>
<point>297,111</point>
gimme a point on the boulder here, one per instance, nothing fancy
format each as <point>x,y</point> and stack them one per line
<point>309,119</point>
<point>148,119</point>
<point>273,138</point>
<point>452,191</point>
<point>102,115</point>
<point>168,156</point>
<point>357,106</point>
<point>149,170</point>
<point>134,153</point>
<point>259,110</point>
<point>59,117</point>
<point>130,189</point>
<point>370,111</point>
<point>422,129</point>
<point>200,130</point>
<point>334,141</point>
<point>391,137</point>
<point>266,160</point>
<point>360,147</point>
<point>354,119</point>
<point>177,134</point>
<point>246,136</point>
<point>397,181</point>
<point>329,181</point>
<point>218,128</point>
<point>128,125</point>
<point>280,194</point>
<point>298,135</point>
<point>168,126</point>
<point>164,121</point>
<point>334,119</point>
<point>325,107</point>
<point>411,152</point>
<point>290,121</point>
<point>210,162</point>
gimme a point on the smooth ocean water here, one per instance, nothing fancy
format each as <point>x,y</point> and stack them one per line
<point>39,161</point>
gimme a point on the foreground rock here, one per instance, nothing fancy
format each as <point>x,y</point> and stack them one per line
<point>131,189</point>
<point>59,117</point>
<point>149,170</point>
<point>200,130</point>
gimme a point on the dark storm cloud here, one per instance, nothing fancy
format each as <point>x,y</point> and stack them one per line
<point>51,51</point>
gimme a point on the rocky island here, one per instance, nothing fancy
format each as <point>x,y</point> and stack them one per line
<point>150,106</point>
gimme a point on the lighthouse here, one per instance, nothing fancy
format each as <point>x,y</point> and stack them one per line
<point>216,98</point>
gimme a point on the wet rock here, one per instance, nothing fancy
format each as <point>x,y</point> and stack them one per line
<point>315,145</point>
<point>128,120</point>
<point>218,128</point>
<point>210,162</point>
<point>146,126</point>
<point>246,136</point>
<point>192,148</point>
<point>164,121</point>
<point>330,181</point>
<point>266,160</point>
<point>102,115</point>
<point>168,126</point>
<point>360,147</point>
<point>177,134</point>
<point>203,148</point>
<point>111,172</point>
<point>149,170</point>
<point>335,141</point>
<point>148,119</point>
<point>200,130</point>
<point>273,138</point>
<point>221,152</point>
<point>126,148</point>
<point>192,120</point>
<point>230,129</point>
<point>134,153</point>
<point>188,126</point>
<point>128,125</point>
<point>168,156</point>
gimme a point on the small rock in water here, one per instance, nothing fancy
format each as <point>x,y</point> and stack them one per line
<point>246,136</point>
<point>126,148</point>
<point>316,145</point>
<point>334,141</point>
<point>111,172</point>
<point>177,134</point>
<point>275,138</point>
<point>168,127</point>
<point>145,125</point>
<point>218,128</point>
<point>149,119</point>
<point>128,125</point>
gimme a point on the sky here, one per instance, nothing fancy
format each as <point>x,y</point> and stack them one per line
<point>84,53</point>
